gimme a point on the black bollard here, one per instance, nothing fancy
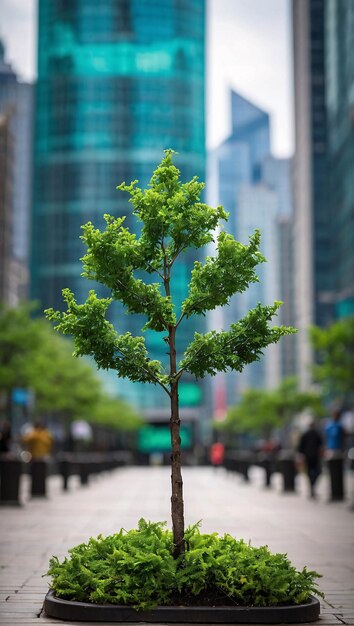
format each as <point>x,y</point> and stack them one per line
<point>10,475</point>
<point>39,476</point>
<point>64,469</point>
<point>84,472</point>
<point>268,468</point>
<point>336,474</point>
<point>266,462</point>
<point>288,470</point>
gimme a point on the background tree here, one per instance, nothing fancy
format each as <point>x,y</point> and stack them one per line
<point>20,337</point>
<point>34,357</point>
<point>61,388</point>
<point>260,411</point>
<point>334,348</point>
<point>115,413</point>
<point>173,219</point>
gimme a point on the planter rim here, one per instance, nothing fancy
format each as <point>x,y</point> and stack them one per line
<point>88,612</point>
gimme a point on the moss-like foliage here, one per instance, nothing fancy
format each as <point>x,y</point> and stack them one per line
<point>137,568</point>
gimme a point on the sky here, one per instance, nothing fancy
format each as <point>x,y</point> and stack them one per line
<point>248,50</point>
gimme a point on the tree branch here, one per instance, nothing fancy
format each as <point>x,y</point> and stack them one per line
<point>183,247</point>
<point>150,375</point>
<point>155,270</point>
<point>179,320</point>
<point>183,369</point>
<point>142,301</point>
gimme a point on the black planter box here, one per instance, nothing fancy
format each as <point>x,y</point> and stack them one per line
<point>87,612</point>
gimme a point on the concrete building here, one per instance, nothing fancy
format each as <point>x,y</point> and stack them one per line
<point>276,175</point>
<point>16,104</point>
<point>314,301</point>
<point>6,207</point>
<point>258,208</point>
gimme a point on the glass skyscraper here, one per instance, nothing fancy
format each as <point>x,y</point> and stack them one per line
<point>119,81</point>
<point>312,221</point>
<point>239,158</point>
<point>323,33</point>
<point>255,189</point>
<point>16,104</point>
<point>339,63</point>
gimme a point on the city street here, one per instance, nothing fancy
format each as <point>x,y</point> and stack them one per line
<point>313,533</point>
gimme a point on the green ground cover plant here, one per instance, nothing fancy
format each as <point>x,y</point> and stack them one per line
<point>138,568</point>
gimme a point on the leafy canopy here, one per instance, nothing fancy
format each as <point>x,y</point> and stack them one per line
<point>261,410</point>
<point>335,351</point>
<point>33,356</point>
<point>172,219</point>
<point>137,568</point>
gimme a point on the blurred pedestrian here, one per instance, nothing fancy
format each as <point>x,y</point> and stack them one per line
<point>5,436</point>
<point>335,443</point>
<point>311,446</point>
<point>38,441</point>
<point>334,433</point>
<point>217,453</point>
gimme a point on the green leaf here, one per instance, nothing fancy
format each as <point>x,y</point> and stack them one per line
<point>234,349</point>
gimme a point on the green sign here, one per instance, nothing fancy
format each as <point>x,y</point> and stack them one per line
<point>158,438</point>
<point>190,394</point>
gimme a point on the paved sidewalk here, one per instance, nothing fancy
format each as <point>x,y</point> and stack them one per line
<point>313,533</point>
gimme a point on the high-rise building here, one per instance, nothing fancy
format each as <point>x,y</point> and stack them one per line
<point>339,69</point>
<point>313,250</point>
<point>118,82</point>
<point>6,207</point>
<point>239,157</point>
<point>276,175</point>
<point>16,105</point>
<point>258,208</point>
<point>323,33</point>
<point>254,188</point>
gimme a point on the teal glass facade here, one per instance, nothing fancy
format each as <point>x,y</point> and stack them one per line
<point>118,82</point>
<point>339,30</point>
<point>322,214</point>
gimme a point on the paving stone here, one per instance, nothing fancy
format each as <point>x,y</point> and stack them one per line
<point>311,533</point>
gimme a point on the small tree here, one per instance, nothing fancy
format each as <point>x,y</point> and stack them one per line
<point>173,219</point>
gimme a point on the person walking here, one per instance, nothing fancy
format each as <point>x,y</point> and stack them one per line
<point>217,453</point>
<point>311,447</point>
<point>335,442</point>
<point>39,442</point>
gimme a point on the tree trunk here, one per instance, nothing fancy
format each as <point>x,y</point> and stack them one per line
<point>177,505</point>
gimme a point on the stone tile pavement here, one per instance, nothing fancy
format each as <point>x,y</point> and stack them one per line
<point>313,533</point>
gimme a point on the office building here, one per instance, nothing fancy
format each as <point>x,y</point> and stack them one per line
<point>16,105</point>
<point>6,207</point>
<point>258,208</point>
<point>239,157</point>
<point>276,175</point>
<point>339,70</point>
<point>313,249</point>
<point>323,33</point>
<point>255,189</point>
<point>118,82</point>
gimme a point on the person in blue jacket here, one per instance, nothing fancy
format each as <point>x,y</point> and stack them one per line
<point>335,443</point>
<point>334,433</point>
